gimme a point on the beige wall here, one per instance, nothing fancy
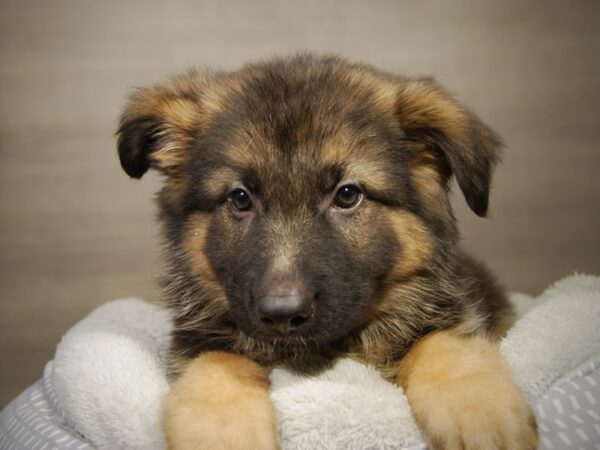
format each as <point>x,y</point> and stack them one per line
<point>74,231</point>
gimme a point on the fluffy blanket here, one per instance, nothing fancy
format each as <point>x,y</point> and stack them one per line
<point>108,378</point>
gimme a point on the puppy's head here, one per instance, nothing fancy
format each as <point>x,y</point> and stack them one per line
<point>297,191</point>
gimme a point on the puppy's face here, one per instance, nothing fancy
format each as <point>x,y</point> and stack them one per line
<point>299,192</point>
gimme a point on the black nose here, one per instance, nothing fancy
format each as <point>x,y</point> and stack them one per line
<point>285,307</point>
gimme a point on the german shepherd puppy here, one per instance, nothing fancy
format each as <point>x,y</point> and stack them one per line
<point>306,217</point>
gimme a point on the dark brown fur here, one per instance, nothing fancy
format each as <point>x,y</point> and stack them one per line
<point>290,130</point>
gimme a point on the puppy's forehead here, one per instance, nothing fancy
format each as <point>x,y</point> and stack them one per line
<point>314,164</point>
<point>315,127</point>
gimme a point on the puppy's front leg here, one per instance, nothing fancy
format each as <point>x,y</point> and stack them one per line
<point>463,397</point>
<point>221,401</point>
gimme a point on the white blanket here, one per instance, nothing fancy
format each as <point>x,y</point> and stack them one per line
<point>108,375</point>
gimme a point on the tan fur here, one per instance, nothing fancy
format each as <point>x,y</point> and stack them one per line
<point>374,177</point>
<point>415,241</point>
<point>219,181</point>
<point>221,401</point>
<point>194,255</point>
<point>181,118</point>
<point>357,159</point>
<point>212,89</point>
<point>504,324</point>
<point>195,240</point>
<point>177,119</point>
<point>214,99</point>
<point>172,153</point>
<point>357,167</point>
<point>463,397</point>
<point>385,91</point>
<point>181,108</point>
<point>242,153</point>
<point>430,183</point>
<point>423,104</point>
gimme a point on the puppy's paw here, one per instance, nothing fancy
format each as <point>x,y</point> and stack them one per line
<point>463,396</point>
<point>220,402</point>
<point>480,411</point>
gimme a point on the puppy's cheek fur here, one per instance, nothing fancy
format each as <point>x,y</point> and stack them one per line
<point>194,245</point>
<point>463,396</point>
<point>430,186</point>
<point>220,401</point>
<point>416,244</point>
<point>200,238</point>
<point>362,228</point>
<point>175,189</point>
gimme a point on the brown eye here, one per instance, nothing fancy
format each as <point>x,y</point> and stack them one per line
<point>348,196</point>
<point>240,200</point>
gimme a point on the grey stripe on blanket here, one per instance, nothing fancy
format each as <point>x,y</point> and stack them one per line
<point>32,421</point>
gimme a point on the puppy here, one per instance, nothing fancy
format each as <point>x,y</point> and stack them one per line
<point>306,217</point>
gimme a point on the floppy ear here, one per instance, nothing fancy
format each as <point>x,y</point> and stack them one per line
<point>428,114</point>
<point>157,126</point>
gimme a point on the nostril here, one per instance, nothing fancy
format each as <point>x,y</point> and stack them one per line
<point>267,321</point>
<point>298,320</point>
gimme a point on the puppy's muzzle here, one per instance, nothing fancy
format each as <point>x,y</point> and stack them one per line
<point>285,306</point>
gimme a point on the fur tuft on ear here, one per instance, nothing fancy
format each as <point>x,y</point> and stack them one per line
<point>158,124</point>
<point>430,115</point>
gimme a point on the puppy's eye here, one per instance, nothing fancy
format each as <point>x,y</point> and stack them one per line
<point>240,200</point>
<point>348,196</point>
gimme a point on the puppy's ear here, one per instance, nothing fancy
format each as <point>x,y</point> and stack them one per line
<point>429,115</point>
<point>158,125</point>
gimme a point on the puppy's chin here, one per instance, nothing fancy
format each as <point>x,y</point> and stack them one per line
<point>313,341</point>
<point>294,338</point>
<point>298,353</point>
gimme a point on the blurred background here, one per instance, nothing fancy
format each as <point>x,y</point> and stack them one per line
<point>75,231</point>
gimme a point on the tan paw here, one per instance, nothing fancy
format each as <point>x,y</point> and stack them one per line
<point>476,412</point>
<point>220,402</point>
<point>463,396</point>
